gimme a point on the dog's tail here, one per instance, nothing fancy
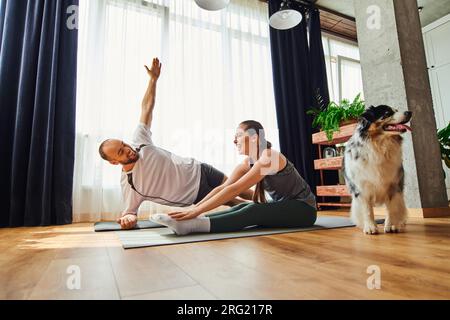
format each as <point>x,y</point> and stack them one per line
<point>356,217</point>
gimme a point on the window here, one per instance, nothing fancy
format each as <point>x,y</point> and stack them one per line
<point>343,69</point>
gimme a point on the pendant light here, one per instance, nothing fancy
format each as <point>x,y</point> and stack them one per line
<point>285,18</point>
<point>212,5</point>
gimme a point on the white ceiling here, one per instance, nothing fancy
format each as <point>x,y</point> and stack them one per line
<point>432,9</point>
<point>341,6</point>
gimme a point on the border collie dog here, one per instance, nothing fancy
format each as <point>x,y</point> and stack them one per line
<point>373,168</point>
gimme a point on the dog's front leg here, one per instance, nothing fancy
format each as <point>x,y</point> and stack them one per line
<point>362,215</point>
<point>396,213</point>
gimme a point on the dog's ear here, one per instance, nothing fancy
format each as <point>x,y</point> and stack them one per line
<point>367,118</point>
<point>365,124</point>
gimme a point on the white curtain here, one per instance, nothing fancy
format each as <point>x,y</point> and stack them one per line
<point>216,73</point>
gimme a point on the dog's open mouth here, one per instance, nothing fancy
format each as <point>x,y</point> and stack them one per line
<point>399,127</point>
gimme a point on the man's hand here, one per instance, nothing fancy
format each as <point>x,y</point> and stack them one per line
<point>128,221</point>
<point>155,70</point>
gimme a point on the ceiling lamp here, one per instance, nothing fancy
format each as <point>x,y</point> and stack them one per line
<point>285,18</point>
<point>212,5</point>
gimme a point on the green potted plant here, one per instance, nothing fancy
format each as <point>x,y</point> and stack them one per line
<point>331,118</point>
<point>444,142</point>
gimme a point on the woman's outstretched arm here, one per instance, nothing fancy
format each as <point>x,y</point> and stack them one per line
<point>251,178</point>
<point>237,173</point>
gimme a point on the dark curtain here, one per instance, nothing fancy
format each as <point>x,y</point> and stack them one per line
<point>299,73</point>
<point>319,83</point>
<point>318,71</point>
<point>38,62</point>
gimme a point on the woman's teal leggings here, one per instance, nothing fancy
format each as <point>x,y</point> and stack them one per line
<point>282,214</point>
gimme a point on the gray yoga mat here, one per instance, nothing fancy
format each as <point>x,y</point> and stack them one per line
<point>114,226</point>
<point>165,236</point>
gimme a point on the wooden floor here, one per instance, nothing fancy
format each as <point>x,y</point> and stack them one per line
<point>326,264</point>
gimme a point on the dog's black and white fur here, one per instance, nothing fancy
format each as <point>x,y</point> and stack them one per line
<point>373,168</point>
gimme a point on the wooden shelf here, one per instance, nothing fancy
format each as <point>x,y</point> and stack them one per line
<point>334,204</point>
<point>333,191</point>
<point>338,137</point>
<point>328,163</point>
<point>320,139</point>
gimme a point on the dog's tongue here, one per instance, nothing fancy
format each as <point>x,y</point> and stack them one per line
<point>404,126</point>
<point>399,127</point>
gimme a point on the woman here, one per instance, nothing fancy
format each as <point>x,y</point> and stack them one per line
<point>293,204</point>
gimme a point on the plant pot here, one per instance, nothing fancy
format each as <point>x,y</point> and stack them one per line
<point>447,162</point>
<point>347,122</point>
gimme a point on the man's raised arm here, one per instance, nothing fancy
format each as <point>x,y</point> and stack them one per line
<point>148,103</point>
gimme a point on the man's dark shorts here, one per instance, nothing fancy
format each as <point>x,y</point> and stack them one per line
<point>210,179</point>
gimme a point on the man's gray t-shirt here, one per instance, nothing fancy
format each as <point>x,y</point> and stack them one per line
<point>159,174</point>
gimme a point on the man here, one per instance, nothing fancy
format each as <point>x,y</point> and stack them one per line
<point>152,173</point>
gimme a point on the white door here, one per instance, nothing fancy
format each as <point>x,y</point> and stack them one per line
<point>437,45</point>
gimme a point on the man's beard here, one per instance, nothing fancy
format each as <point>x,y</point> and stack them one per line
<point>130,161</point>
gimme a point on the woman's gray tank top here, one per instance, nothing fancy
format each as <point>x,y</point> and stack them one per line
<point>288,184</point>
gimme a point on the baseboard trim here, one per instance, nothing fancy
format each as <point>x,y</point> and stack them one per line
<point>420,212</point>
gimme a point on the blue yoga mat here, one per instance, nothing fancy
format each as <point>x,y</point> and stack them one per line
<point>114,226</point>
